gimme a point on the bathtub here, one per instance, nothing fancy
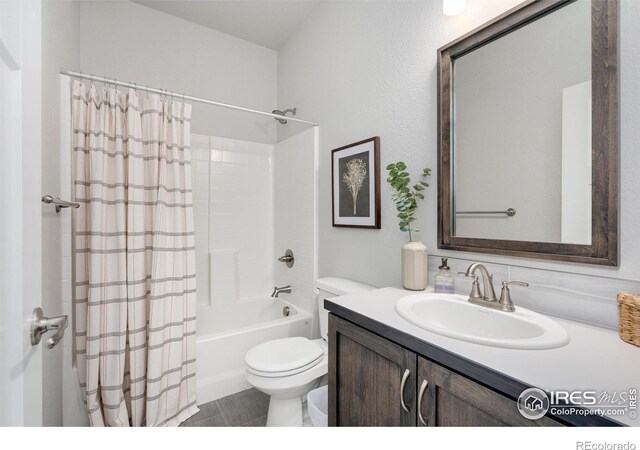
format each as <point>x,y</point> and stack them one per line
<point>225,334</point>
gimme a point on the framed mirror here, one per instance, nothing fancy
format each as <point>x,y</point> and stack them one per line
<point>528,134</point>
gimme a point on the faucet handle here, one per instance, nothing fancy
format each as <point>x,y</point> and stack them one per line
<point>506,304</point>
<point>517,283</point>
<point>475,286</point>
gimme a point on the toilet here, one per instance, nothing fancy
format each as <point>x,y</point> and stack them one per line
<point>287,369</point>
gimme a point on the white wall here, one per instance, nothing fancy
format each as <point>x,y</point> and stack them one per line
<point>369,68</point>
<point>60,49</point>
<point>131,42</point>
<point>73,409</point>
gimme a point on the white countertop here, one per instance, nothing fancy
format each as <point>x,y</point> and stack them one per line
<point>596,359</point>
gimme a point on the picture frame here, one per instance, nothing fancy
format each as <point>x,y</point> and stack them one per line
<point>355,184</point>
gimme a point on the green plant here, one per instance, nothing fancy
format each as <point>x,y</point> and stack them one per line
<point>404,197</point>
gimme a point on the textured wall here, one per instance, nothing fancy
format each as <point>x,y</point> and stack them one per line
<point>369,68</point>
<point>134,43</point>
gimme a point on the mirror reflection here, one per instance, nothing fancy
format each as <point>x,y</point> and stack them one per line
<point>521,133</point>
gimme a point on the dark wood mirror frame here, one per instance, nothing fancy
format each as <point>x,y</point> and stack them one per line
<point>604,66</point>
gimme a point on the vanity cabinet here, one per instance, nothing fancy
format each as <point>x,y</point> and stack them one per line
<point>373,382</point>
<point>367,381</point>
<point>452,400</point>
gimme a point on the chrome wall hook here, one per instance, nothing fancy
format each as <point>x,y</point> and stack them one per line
<point>59,204</point>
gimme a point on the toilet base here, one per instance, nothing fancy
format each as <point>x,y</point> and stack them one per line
<point>288,393</point>
<point>285,412</point>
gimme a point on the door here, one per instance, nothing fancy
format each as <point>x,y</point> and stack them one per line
<point>447,399</point>
<point>20,222</point>
<point>372,381</point>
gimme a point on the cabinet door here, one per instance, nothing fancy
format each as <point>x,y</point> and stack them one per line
<point>451,400</point>
<point>372,381</point>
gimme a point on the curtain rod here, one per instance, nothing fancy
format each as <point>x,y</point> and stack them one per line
<point>84,76</point>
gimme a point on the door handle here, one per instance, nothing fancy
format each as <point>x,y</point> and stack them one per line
<point>41,324</point>
<point>423,388</point>
<point>405,376</point>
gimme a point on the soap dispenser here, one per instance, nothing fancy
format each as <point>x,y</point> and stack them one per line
<point>443,281</point>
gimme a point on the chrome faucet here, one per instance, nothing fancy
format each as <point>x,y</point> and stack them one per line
<point>281,290</point>
<point>487,283</point>
<point>489,298</point>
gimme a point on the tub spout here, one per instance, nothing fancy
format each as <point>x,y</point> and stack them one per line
<point>281,290</point>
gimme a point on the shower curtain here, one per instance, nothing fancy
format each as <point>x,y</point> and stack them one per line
<point>135,303</point>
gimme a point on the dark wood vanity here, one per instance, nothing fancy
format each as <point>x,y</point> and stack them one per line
<point>366,387</point>
<point>377,377</point>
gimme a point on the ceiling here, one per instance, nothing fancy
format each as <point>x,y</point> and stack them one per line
<point>267,23</point>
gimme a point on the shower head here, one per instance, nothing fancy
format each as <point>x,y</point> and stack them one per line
<point>283,113</point>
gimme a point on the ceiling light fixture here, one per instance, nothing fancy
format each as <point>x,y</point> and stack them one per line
<point>453,7</point>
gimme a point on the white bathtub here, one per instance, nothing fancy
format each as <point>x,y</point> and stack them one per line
<point>225,334</point>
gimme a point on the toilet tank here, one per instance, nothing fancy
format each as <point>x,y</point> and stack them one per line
<point>334,287</point>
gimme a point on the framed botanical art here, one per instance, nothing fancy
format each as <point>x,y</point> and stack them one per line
<point>355,185</point>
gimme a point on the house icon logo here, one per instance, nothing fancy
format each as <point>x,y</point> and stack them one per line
<point>533,403</point>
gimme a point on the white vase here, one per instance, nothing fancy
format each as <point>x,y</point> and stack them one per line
<point>414,266</point>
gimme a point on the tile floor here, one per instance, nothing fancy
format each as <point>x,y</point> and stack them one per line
<point>243,409</point>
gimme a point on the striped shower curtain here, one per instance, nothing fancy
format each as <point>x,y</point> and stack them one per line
<point>135,302</point>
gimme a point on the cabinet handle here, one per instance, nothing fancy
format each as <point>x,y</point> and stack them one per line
<point>405,376</point>
<point>423,388</point>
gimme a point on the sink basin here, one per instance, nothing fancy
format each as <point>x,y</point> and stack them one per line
<point>453,316</point>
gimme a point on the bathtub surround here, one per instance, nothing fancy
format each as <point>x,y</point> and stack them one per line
<point>233,213</point>
<point>252,201</point>
<point>135,293</point>
<point>295,203</point>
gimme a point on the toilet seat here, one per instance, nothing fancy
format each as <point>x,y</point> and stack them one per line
<point>284,357</point>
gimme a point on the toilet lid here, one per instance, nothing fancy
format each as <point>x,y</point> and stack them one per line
<point>284,355</point>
